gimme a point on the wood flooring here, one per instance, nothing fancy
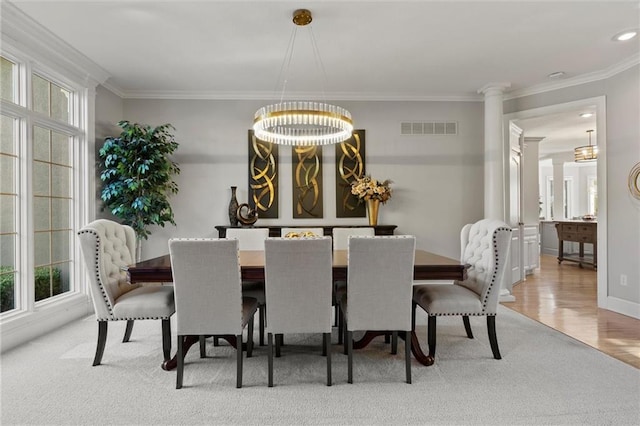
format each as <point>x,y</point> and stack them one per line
<point>564,297</point>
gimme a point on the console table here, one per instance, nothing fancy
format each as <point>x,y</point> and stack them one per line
<point>274,230</point>
<point>580,232</point>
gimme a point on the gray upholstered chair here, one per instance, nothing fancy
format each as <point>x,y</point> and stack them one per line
<point>252,239</point>
<point>208,289</point>
<point>108,248</point>
<point>298,274</point>
<point>379,290</point>
<point>299,232</point>
<point>341,242</point>
<point>485,247</point>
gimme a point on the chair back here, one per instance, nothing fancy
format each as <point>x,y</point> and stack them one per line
<point>298,286</point>
<point>107,248</point>
<point>379,282</point>
<point>485,247</point>
<point>341,236</point>
<point>207,286</point>
<point>249,238</point>
<point>299,232</point>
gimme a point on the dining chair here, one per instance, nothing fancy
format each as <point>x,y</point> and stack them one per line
<point>485,248</point>
<point>252,239</point>
<point>108,248</point>
<point>298,274</point>
<point>340,237</point>
<point>301,232</point>
<point>208,294</point>
<point>379,290</point>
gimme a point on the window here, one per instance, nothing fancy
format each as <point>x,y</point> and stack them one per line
<point>39,178</point>
<point>567,199</point>
<point>592,195</point>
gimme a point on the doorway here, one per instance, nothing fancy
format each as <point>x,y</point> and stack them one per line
<point>597,106</point>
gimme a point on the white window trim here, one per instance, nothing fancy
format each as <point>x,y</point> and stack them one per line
<point>35,50</point>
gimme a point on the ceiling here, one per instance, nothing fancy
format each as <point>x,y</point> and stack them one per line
<point>370,50</point>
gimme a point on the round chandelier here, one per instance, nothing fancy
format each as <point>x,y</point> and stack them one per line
<point>302,122</point>
<point>586,153</point>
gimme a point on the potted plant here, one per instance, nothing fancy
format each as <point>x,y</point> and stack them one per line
<point>137,176</point>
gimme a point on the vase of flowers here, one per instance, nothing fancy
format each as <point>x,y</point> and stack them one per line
<point>373,192</point>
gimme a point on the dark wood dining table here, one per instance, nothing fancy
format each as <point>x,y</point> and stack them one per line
<point>427,266</point>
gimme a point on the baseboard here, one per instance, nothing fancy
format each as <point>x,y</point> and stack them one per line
<point>27,326</point>
<point>622,306</point>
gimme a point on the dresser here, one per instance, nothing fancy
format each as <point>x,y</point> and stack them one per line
<point>274,230</point>
<point>581,232</point>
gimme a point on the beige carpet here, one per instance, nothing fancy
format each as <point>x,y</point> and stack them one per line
<point>544,377</point>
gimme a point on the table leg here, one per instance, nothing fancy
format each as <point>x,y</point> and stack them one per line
<point>415,345</point>
<point>190,341</point>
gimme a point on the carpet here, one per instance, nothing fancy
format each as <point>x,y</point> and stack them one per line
<point>545,377</point>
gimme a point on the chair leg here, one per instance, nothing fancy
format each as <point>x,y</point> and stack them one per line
<point>431,335</point>
<point>278,344</point>
<point>261,317</point>
<point>239,360</point>
<point>467,326</point>
<point>413,315</point>
<point>394,342</point>
<point>180,366</point>
<point>102,340</point>
<point>324,346</point>
<point>407,355</point>
<point>249,338</point>
<point>203,346</point>
<point>127,331</point>
<point>166,339</point>
<point>340,325</point>
<point>270,350</point>
<point>327,344</point>
<point>349,341</point>
<point>493,338</point>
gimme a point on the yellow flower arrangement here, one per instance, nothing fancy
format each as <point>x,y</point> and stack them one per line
<point>366,188</point>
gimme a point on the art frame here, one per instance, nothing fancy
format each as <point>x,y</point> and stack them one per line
<point>263,177</point>
<point>350,165</point>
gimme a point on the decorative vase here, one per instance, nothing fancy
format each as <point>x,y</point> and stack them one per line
<point>233,207</point>
<point>372,211</point>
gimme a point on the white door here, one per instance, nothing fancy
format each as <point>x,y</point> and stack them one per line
<point>515,205</point>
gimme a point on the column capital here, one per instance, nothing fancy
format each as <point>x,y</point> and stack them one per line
<point>533,139</point>
<point>494,88</point>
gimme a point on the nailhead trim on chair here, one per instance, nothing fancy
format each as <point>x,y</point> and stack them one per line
<point>493,280</point>
<point>101,285</point>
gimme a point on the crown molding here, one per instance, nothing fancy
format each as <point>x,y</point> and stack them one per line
<point>577,80</point>
<point>21,32</point>
<point>270,96</point>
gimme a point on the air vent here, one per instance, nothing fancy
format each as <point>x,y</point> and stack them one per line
<point>429,128</point>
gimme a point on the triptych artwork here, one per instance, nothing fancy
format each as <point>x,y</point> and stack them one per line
<point>307,188</point>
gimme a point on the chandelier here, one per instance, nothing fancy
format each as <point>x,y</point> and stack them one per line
<point>302,122</point>
<point>587,152</point>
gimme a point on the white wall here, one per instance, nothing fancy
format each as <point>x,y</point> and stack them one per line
<point>438,180</point>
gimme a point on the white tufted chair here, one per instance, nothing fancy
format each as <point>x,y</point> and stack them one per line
<point>485,248</point>
<point>108,248</point>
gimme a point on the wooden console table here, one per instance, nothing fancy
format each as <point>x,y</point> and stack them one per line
<point>274,230</point>
<point>580,232</point>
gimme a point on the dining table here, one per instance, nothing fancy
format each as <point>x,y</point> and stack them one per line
<point>427,266</point>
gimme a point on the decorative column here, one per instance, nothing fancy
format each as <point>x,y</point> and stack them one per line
<point>495,167</point>
<point>494,152</point>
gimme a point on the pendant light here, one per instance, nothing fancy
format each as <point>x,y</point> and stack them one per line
<point>586,153</point>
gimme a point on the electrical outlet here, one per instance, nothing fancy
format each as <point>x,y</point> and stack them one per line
<point>623,279</point>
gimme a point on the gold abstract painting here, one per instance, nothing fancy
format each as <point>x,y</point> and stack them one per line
<point>307,181</point>
<point>263,177</point>
<point>350,165</point>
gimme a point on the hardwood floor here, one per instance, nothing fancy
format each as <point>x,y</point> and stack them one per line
<point>564,297</point>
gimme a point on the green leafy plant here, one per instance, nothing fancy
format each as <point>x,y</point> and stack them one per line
<point>47,284</point>
<point>137,175</point>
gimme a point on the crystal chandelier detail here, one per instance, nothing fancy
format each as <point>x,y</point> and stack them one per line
<point>302,122</point>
